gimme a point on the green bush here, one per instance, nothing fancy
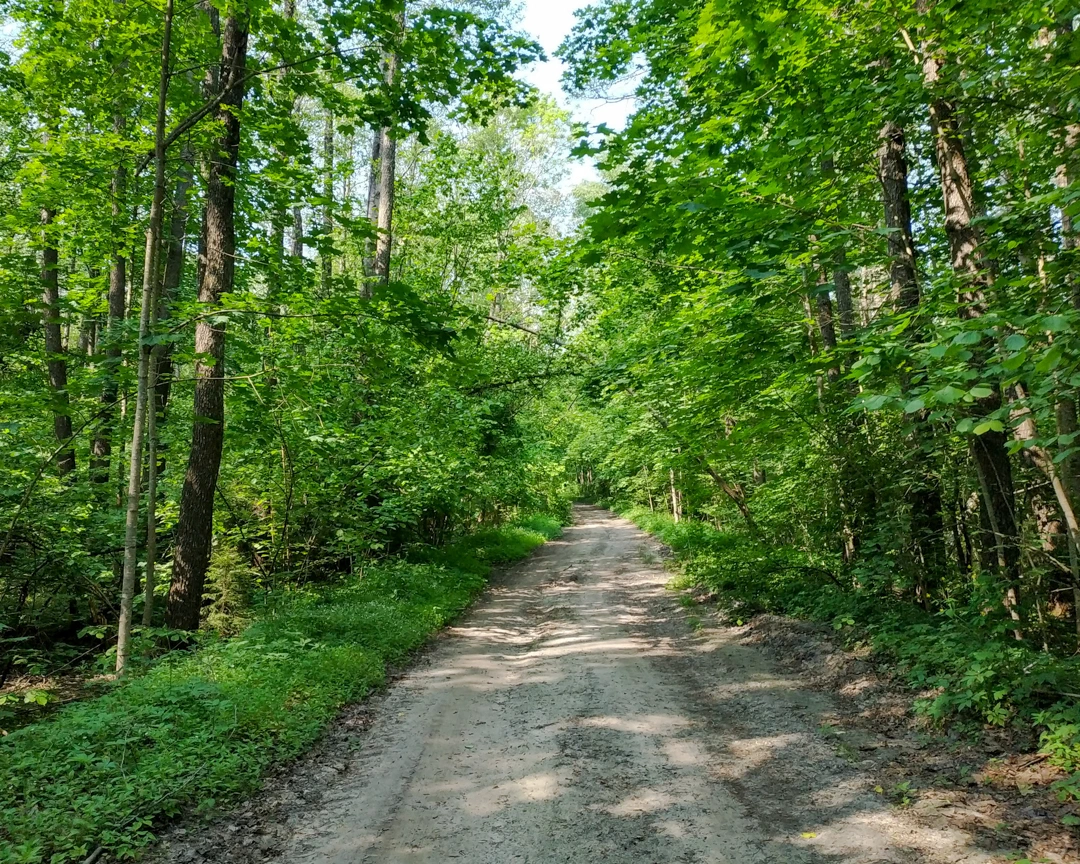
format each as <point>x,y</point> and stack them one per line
<point>200,728</point>
<point>479,551</point>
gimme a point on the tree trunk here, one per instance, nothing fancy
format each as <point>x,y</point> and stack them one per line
<point>161,373</point>
<point>194,528</point>
<point>55,361</point>
<point>174,272</point>
<point>326,258</point>
<point>372,211</point>
<point>281,211</point>
<point>844,307</point>
<point>675,509</point>
<point>893,175</point>
<point>373,179</point>
<point>826,326</point>
<point>992,464</point>
<point>143,397</point>
<point>387,148</point>
<point>927,525</point>
<point>387,171</point>
<point>101,449</point>
<point>296,249</point>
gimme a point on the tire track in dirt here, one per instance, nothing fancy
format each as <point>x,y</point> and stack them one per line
<point>574,716</point>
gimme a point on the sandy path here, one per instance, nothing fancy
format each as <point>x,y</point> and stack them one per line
<point>574,716</point>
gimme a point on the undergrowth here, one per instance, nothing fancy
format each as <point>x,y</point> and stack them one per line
<point>199,729</point>
<point>962,659</point>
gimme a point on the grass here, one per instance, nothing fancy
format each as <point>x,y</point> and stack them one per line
<point>199,729</point>
<point>962,659</point>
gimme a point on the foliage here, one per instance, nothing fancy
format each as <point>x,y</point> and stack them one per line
<point>354,426</point>
<point>829,292</point>
<point>199,729</point>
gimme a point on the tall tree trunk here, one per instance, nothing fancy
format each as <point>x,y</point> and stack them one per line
<point>326,258</point>
<point>676,510</point>
<point>174,271</point>
<point>194,528</point>
<point>845,318</point>
<point>296,248</point>
<point>55,360</point>
<point>893,175</point>
<point>826,325</point>
<point>372,211</point>
<point>992,464</point>
<point>387,170</point>
<point>927,525</point>
<point>161,371</point>
<point>844,306</point>
<point>101,449</point>
<point>373,179</point>
<point>143,396</point>
<point>281,210</point>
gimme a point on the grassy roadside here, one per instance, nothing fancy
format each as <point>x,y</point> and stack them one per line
<point>200,729</point>
<point>963,661</point>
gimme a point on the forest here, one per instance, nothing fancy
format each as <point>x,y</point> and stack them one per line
<point>305,328</point>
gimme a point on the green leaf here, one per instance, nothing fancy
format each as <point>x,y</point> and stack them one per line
<point>1050,359</point>
<point>949,395</point>
<point>1055,323</point>
<point>989,425</point>
<point>1014,362</point>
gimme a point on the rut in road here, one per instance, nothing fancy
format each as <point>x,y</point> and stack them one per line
<point>573,716</point>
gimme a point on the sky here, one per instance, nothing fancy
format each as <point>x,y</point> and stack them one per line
<point>549,22</point>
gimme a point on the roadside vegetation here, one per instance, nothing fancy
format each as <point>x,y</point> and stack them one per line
<point>279,302</point>
<point>833,305</point>
<point>198,729</point>
<point>961,660</point>
<point>300,322</point>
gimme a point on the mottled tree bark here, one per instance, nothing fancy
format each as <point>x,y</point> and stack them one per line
<point>387,171</point>
<point>927,525</point>
<point>194,528</point>
<point>386,149</point>
<point>992,464</point>
<point>326,258</point>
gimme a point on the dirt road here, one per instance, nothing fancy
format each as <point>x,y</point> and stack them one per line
<point>575,716</point>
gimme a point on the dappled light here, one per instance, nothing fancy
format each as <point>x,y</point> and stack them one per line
<point>573,712</point>
<point>539,432</point>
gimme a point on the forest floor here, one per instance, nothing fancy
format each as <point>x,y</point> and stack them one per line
<point>581,712</point>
